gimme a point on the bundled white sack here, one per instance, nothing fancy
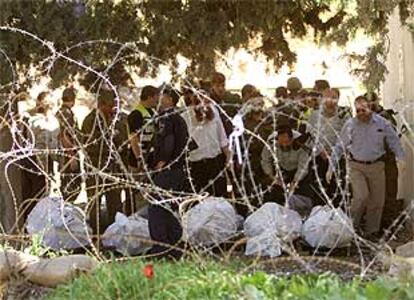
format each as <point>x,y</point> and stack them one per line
<point>60,270</point>
<point>328,227</point>
<point>61,225</point>
<point>128,235</point>
<point>400,263</point>
<point>210,222</point>
<point>268,228</point>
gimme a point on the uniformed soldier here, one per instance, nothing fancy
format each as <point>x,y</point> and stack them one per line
<point>100,160</point>
<point>171,141</point>
<point>121,139</point>
<point>141,126</point>
<point>286,164</point>
<point>69,165</point>
<point>364,139</point>
<point>227,101</point>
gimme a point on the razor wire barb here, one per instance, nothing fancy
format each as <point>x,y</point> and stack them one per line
<point>26,150</point>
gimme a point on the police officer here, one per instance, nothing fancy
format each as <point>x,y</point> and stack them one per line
<point>69,166</point>
<point>364,139</point>
<point>141,126</point>
<point>169,159</point>
<point>286,164</point>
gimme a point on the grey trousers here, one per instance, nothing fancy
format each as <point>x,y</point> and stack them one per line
<point>368,187</point>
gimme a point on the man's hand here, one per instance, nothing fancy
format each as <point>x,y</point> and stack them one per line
<point>160,165</point>
<point>277,180</point>
<point>325,155</point>
<point>293,186</point>
<point>329,174</point>
<point>401,165</point>
<point>74,166</point>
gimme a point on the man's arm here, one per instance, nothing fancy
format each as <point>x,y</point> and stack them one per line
<point>343,142</point>
<point>166,143</point>
<point>302,169</point>
<point>267,162</point>
<point>393,141</point>
<point>135,122</point>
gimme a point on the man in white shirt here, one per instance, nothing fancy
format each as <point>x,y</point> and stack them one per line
<point>211,154</point>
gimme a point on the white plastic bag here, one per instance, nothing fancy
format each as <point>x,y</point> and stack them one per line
<point>269,227</point>
<point>61,225</point>
<point>211,222</point>
<point>328,227</point>
<point>60,270</point>
<point>128,235</point>
<point>402,262</point>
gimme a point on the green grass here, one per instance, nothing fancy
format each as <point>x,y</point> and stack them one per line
<point>213,280</point>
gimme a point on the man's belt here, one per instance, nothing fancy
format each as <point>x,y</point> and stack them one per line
<point>370,162</point>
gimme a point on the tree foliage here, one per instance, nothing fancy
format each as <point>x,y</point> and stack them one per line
<point>144,34</point>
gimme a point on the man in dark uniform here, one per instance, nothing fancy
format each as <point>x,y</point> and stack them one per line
<point>228,102</point>
<point>392,207</point>
<point>69,166</point>
<point>141,127</point>
<point>169,157</point>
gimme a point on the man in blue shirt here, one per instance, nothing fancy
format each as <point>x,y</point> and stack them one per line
<point>364,139</point>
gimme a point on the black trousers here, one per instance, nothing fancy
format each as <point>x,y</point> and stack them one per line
<point>392,207</point>
<point>34,185</point>
<point>276,193</point>
<point>208,175</point>
<point>336,189</point>
<point>165,229</point>
<point>96,187</point>
<point>70,179</point>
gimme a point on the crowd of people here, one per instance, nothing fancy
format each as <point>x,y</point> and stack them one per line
<point>181,142</point>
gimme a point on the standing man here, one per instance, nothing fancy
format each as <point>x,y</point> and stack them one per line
<point>101,161</point>
<point>169,161</point>
<point>229,102</point>
<point>69,164</point>
<point>392,207</point>
<point>141,126</point>
<point>248,177</point>
<point>364,139</point>
<point>325,125</point>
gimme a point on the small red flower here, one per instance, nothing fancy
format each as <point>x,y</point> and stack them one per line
<point>149,271</point>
